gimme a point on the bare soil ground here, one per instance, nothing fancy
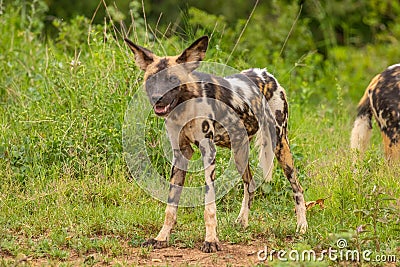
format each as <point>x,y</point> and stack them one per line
<point>230,255</point>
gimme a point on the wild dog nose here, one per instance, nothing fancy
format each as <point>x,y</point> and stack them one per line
<point>156,98</point>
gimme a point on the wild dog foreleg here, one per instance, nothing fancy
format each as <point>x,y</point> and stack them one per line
<point>175,189</point>
<point>211,243</point>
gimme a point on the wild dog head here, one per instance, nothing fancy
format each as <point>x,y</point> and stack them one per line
<point>167,78</point>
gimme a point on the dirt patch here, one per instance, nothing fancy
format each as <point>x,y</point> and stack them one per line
<point>230,255</point>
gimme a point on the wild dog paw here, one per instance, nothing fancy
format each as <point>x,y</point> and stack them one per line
<point>302,227</point>
<point>154,243</point>
<point>209,247</point>
<point>244,222</point>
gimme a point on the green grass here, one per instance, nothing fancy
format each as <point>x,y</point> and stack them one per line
<point>65,188</point>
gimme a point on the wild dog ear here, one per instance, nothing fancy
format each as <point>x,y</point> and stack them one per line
<point>194,53</point>
<point>143,56</point>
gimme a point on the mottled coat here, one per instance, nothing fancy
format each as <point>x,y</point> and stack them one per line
<point>381,100</point>
<point>207,110</point>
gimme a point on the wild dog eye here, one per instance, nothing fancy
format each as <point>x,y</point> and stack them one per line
<point>173,80</point>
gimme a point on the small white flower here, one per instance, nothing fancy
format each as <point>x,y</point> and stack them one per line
<point>75,63</point>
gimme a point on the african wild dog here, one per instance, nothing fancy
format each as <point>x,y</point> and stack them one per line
<point>226,105</point>
<point>381,99</point>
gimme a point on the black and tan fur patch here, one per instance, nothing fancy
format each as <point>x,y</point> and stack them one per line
<point>381,100</point>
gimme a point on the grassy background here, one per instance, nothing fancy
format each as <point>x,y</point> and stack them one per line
<point>65,188</point>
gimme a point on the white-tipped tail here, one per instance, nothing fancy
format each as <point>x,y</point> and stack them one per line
<point>361,133</point>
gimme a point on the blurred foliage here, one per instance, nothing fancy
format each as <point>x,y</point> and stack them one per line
<point>321,25</point>
<point>352,22</point>
<point>344,22</point>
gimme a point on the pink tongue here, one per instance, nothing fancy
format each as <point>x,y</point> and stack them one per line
<point>159,109</point>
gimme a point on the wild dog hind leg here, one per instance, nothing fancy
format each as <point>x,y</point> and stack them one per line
<point>279,107</point>
<point>285,159</point>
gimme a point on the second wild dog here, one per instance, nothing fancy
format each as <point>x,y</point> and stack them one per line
<point>381,100</point>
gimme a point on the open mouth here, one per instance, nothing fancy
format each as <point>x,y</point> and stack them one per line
<point>161,109</point>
